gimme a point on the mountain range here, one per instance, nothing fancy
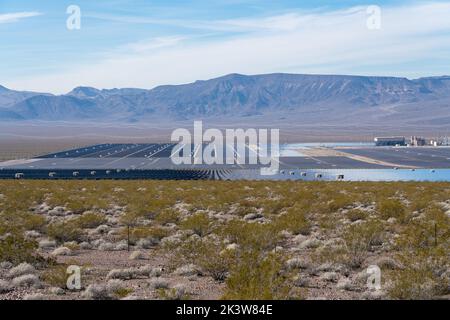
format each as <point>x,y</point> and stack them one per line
<point>319,97</point>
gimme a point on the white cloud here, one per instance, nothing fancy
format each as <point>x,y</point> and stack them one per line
<point>153,44</point>
<point>317,42</point>
<point>14,17</point>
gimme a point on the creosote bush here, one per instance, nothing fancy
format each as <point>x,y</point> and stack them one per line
<point>211,257</point>
<point>251,236</point>
<point>89,220</point>
<point>16,249</point>
<point>199,223</point>
<point>258,278</point>
<point>356,214</point>
<point>56,276</point>
<point>392,209</point>
<point>294,220</point>
<point>423,250</point>
<point>167,216</point>
<point>65,231</point>
<point>359,240</point>
<point>423,275</point>
<point>147,232</point>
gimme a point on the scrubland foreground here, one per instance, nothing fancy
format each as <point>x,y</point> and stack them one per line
<point>223,240</point>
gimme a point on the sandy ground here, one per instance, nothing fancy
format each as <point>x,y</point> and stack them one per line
<point>101,262</point>
<point>327,152</point>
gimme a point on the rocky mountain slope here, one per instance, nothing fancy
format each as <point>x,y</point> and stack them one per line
<point>234,95</point>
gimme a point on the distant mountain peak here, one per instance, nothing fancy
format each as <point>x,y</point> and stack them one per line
<point>86,92</point>
<point>85,88</point>
<point>235,76</point>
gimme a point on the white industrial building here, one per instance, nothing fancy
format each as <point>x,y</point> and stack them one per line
<point>390,141</point>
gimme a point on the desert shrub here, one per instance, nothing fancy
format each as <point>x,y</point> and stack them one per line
<point>199,223</point>
<point>89,220</point>
<point>136,233</point>
<point>129,218</point>
<point>359,240</point>
<point>27,280</point>
<point>72,246</point>
<point>122,292</point>
<point>21,269</point>
<point>34,222</point>
<point>117,289</point>
<point>423,251</point>
<point>96,292</point>
<point>297,263</point>
<point>392,209</point>
<point>251,236</point>
<point>419,204</point>
<point>15,248</point>
<point>272,206</point>
<point>65,231</point>
<point>294,220</point>
<point>73,203</point>
<point>188,270</point>
<point>167,216</point>
<point>218,265</point>
<point>423,275</point>
<point>418,235</point>
<point>79,202</point>
<point>212,257</point>
<point>440,221</point>
<point>62,251</point>
<point>339,201</point>
<point>56,276</point>
<point>330,254</point>
<point>158,283</point>
<point>433,230</point>
<point>158,232</point>
<point>141,209</point>
<point>257,278</point>
<point>178,292</point>
<point>242,210</point>
<point>19,221</point>
<point>189,251</point>
<point>326,221</point>
<point>147,232</point>
<point>414,284</point>
<point>356,214</point>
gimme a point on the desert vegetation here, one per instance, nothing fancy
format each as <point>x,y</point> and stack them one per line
<point>224,240</point>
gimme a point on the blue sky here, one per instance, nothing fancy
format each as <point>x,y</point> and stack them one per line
<point>126,43</point>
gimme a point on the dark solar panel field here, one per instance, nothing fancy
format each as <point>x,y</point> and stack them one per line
<point>115,151</point>
<point>153,161</point>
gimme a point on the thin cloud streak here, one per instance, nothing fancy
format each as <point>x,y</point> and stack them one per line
<point>15,17</point>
